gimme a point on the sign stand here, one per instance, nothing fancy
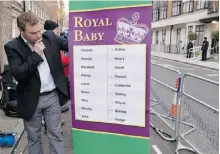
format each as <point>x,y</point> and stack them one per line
<point>110,45</point>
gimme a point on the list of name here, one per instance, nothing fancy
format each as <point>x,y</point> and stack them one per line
<point>109,84</point>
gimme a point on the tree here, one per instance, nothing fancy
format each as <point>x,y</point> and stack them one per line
<point>192,36</point>
<point>215,35</point>
<point>215,41</point>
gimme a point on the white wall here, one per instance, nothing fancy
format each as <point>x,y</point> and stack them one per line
<point>184,32</point>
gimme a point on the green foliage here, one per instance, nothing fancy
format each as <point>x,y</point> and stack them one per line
<point>215,35</point>
<point>192,36</point>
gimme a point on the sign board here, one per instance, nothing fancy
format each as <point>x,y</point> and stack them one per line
<point>110,45</point>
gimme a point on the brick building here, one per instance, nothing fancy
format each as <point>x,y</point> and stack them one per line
<point>9,12</point>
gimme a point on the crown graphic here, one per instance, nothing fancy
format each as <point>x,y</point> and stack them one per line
<point>130,32</point>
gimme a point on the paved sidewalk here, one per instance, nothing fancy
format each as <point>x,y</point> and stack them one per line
<point>183,59</point>
<point>8,124</point>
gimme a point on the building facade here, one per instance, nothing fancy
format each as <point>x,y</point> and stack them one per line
<point>10,10</point>
<point>39,8</point>
<point>57,12</point>
<point>174,20</point>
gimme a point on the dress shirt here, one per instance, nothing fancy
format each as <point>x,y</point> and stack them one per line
<point>47,82</point>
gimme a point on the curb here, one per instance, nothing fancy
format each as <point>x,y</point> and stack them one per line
<point>216,69</point>
<point>14,149</point>
<point>19,130</point>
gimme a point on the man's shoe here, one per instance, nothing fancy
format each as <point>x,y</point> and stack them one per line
<point>65,109</point>
<point>62,122</point>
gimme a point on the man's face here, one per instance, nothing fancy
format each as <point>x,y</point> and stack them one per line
<point>32,33</point>
<point>57,31</point>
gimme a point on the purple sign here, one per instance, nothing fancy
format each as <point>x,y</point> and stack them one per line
<point>110,70</point>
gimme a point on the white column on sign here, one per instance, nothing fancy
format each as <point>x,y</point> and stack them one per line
<point>90,83</point>
<point>126,84</point>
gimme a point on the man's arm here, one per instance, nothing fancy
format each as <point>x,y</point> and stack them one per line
<point>21,70</point>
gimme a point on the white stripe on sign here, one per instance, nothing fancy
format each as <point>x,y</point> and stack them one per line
<point>156,149</point>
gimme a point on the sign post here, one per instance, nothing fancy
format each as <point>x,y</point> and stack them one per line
<point>110,45</point>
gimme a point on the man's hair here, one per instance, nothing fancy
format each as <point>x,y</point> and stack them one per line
<point>26,17</point>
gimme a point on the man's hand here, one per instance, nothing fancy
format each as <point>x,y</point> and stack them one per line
<point>39,47</point>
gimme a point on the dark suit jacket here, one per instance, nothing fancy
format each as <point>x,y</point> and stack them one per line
<point>205,46</point>
<point>23,64</point>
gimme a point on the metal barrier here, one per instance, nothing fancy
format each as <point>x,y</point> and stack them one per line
<point>162,107</point>
<point>203,137</point>
<point>196,52</point>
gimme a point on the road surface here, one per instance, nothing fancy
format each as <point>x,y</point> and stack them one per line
<point>206,121</point>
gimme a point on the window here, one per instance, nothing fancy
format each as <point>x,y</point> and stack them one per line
<point>188,6</point>
<point>156,15</point>
<point>157,37</point>
<point>28,5</point>
<point>178,32</point>
<point>164,36</point>
<point>38,11</point>
<point>15,31</point>
<point>159,10</point>
<point>13,27</point>
<point>176,8</point>
<point>201,4</point>
<point>163,12</point>
<point>35,11</point>
<point>190,29</point>
<point>200,34</point>
<point>32,6</point>
<point>41,14</point>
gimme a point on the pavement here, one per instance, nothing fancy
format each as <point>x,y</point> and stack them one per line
<point>8,124</point>
<point>182,58</point>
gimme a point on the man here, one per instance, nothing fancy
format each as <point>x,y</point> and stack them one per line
<point>34,59</point>
<point>189,46</point>
<point>205,46</point>
<point>51,25</point>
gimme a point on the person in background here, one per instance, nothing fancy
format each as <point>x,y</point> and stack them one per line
<point>34,60</point>
<point>205,46</point>
<point>189,46</point>
<point>51,25</point>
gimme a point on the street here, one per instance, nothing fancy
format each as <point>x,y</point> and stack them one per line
<point>203,91</point>
<point>196,114</point>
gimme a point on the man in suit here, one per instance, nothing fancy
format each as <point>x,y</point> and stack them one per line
<point>205,46</point>
<point>189,46</point>
<point>35,62</point>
